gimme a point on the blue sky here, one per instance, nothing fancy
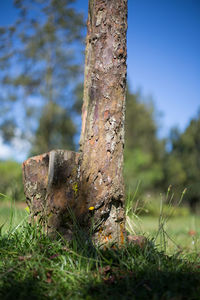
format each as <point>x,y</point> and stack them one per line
<point>163,54</point>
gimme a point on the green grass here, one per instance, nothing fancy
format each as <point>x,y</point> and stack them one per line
<point>172,226</point>
<point>35,267</point>
<point>11,215</point>
<point>183,232</point>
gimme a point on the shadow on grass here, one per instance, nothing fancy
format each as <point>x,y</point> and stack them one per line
<point>126,273</point>
<point>145,274</point>
<point>147,284</point>
<point>15,289</point>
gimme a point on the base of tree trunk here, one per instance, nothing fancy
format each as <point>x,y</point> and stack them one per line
<point>57,199</point>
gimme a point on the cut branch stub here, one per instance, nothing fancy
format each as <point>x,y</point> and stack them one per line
<point>51,189</point>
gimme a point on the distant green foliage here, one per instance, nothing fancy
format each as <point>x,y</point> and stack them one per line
<point>11,181</point>
<point>41,62</point>
<point>55,130</point>
<point>148,162</point>
<point>182,165</point>
<point>143,150</point>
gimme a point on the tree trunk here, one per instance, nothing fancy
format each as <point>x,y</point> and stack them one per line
<point>103,113</point>
<point>90,184</point>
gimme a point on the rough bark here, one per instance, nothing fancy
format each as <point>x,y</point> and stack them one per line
<point>103,112</point>
<point>90,184</point>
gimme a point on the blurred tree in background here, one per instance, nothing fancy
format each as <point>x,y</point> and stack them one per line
<point>149,163</point>
<point>144,152</point>
<point>40,56</point>
<point>182,165</point>
<point>56,130</point>
<point>11,181</point>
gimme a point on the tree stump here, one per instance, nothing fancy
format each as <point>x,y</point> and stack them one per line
<point>51,189</point>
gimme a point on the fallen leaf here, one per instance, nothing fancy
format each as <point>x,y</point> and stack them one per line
<point>49,275</point>
<point>49,280</point>
<point>54,256</point>
<point>192,232</point>
<point>24,257</point>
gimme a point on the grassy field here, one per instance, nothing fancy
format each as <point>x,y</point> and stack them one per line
<point>11,214</point>
<point>35,267</point>
<point>182,233</point>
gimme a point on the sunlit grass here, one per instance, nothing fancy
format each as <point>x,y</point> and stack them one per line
<point>184,232</point>
<point>11,214</point>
